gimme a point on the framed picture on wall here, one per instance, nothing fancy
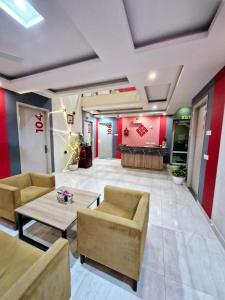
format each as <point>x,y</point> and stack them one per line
<point>70,119</point>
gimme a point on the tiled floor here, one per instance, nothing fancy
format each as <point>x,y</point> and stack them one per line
<point>183,259</point>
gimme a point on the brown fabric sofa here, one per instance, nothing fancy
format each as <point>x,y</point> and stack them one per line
<point>27,273</point>
<point>20,189</point>
<point>114,233</point>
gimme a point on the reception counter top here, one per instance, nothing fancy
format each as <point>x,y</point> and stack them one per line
<point>143,150</point>
<point>142,157</point>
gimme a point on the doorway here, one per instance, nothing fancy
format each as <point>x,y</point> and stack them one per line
<point>105,140</point>
<point>34,139</point>
<point>180,141</point>
<point>199,139</point>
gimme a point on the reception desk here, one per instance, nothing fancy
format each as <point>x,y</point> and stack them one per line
<point>142,157</point>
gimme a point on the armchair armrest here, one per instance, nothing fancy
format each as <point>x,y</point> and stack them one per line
<point>42,180</point>
<point>48,278</point>
<point>141,218</point>
<point>110,240</point>
<point>10,197</point>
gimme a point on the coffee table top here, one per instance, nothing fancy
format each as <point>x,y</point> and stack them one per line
<point>48,210</point>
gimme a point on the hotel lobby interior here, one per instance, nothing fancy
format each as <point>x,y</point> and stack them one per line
<point>112,150</point>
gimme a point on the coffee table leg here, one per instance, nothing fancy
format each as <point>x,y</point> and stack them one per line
<point>98,201</point>
<point>64,234</point>
<point>20,225</point>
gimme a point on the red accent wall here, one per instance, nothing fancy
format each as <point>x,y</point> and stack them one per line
<point>4,146</point>
<point>96,137</point>
<point>162,130</point>
<point>151,123</point>
<point>119,135</point>
<point>214,142</point>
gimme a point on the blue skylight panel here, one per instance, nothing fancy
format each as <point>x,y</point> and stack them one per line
<point>22,11</point>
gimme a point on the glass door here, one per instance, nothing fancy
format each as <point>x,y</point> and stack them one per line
<point>180,141</point>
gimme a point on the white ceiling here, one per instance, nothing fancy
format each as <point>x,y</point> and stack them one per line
<point>54,42</point>
<point>188,52</point>
<point>153,21</point>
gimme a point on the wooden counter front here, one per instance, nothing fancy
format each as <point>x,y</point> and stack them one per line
<point>144,161</point>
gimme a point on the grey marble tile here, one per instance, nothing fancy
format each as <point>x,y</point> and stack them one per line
<point>188,261</point>
<point>175,291</point>
<point>154,255</point>
<point>151,286</point>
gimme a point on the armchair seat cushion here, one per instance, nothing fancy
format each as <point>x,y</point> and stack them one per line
<point>112,209</point>
<point>33,192</point>
<point>15,259</point>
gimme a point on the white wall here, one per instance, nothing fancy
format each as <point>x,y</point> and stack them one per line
<point>218,213</point>
<point>61,129</point>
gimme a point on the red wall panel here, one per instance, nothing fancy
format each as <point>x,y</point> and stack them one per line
<point>4,146</point>
<point>119,135</point>
<point>214,142</point>
<point>162,130</point>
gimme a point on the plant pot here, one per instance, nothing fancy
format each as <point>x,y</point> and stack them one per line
<point>73,167</point>
<point>178,180</point>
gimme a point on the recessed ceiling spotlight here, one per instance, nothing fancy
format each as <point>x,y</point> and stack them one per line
<point>164,114</point>
<point>152,76</point>
<point>154,107</point>
<point>22,11</point>
<point>140,115</point>
<point>102,116</point>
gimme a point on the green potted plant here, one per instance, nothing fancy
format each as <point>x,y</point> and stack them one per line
<point>179,175</point>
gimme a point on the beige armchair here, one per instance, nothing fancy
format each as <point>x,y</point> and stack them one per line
<point>114,233</point>
<point>20,189</point>
<point>27,273</point>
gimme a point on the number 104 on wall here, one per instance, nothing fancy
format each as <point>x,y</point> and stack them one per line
<point>39,125</point>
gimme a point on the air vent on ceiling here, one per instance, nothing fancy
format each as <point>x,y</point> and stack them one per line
<point>157,93</point>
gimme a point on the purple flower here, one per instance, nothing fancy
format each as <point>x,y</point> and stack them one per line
<point>66,193</point>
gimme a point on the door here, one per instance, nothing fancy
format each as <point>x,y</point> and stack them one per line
<point>33,139</point>
<point>88,132</point>
<point>105,140</point>
<point>200,131</point>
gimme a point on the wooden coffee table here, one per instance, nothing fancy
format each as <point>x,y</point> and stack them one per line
<point>49,211</point>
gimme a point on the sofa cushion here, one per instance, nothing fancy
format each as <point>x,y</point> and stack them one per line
<point>32,192</point>
<point>16,257</point>
<point>20,181</point>
<point>114,210</point>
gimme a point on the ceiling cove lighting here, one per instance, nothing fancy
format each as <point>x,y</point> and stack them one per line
<point>21,11</point>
